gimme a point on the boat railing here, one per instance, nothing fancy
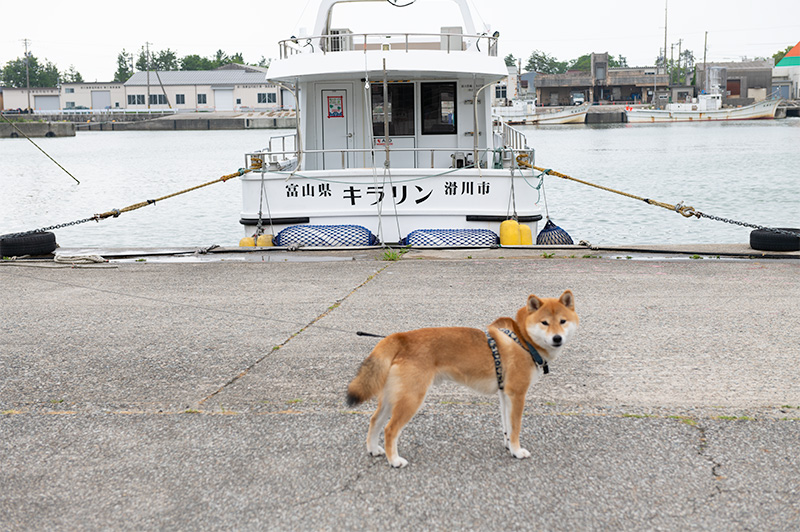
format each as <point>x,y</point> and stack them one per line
<point>269,160</point>
<point>512,137</point>
<point>347,42</point>
<point>273,141</point>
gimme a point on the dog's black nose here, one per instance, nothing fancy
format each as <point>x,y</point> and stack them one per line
<point>557,339</point>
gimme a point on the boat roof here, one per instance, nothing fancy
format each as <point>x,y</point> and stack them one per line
<point>454,51</point>
<point>198,77</point>
<point>414,64</point>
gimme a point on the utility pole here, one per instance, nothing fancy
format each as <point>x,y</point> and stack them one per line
<point>27,71</point>
<point>671,61</point>
<point>680,72</point>
<point>147,66</point>
<point>705,67</point>
<point>666,5</point>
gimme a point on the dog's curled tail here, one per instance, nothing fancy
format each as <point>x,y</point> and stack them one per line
<point>372,374</point>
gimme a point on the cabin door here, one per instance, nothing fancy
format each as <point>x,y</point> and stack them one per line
<point>337,127</point>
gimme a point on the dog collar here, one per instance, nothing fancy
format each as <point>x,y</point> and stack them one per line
<point>537,358</point>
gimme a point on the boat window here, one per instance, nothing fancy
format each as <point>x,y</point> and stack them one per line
<point>400,109</point>
<point>438,108</point>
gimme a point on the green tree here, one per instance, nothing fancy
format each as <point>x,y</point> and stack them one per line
<point>71,75</point>
<point>541,62</point>
<point>124,67</point>
<point>777,56</point>
<point>510,60</point>
<point>681,68</point>
<point>41,75</point>
<point>619,62</point>
<point>195,62</point>
<point>220,58</point>
<point>584,63</point>
<point>161,60</point>
<point>236,58</point>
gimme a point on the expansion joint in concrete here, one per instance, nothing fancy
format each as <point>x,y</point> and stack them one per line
<point>277,347</point>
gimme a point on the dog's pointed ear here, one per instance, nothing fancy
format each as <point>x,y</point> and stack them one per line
<point>567,299</point>
<point>534,303</point>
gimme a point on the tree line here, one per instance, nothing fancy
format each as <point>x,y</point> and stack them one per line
<point>680,67</point>
<point>43,73</point>
<point>128,64</point>
<point>545,63</point>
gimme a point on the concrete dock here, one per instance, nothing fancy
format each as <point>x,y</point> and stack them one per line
<point>208,394</point>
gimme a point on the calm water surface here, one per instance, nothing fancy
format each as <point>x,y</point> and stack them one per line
<point>747,171</point>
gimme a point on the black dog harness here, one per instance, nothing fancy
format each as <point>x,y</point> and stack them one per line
<point>498,370</point>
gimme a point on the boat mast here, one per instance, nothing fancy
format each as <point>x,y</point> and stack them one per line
<point>385,114</point>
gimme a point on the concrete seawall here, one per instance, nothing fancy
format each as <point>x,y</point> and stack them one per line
<point>37,129</point>
<point>199,122</point>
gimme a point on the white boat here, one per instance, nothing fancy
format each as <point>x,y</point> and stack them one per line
<point>431,160</point>
<point>704,107</point>
<point>526,112</point>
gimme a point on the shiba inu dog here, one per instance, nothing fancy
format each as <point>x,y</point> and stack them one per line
<point>506,359</point>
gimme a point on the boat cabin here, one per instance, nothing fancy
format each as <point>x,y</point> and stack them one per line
<point>434,84</point>
<point>394,131</point>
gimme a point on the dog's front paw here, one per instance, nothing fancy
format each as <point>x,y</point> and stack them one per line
<point>398,462</point>
<point>377,451</point>
<point>520,453</point>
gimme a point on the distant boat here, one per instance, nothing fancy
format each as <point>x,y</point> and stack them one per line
<point>526,112</point>
<point>706,107</point>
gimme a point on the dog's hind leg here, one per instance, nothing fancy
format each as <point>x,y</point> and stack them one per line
<point>376,423</point>
<point>505,416</point>
<point>406,401</point>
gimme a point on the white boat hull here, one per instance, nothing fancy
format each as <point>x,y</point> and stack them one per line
<point>569,115</point>
<point>390,207</point>
<point>765,109</point>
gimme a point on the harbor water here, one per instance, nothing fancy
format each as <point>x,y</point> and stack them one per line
<point>744,171</point>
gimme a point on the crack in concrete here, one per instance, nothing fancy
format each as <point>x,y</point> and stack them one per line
<point>275,348</point>
<point>715,465</point>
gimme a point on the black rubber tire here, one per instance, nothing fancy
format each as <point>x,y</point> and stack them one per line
<point>765,240</point>
<point>30,244</point>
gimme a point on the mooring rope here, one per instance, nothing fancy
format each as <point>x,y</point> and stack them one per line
<point>37,146</point>
<point>680,208</point>
<point>255,164</point>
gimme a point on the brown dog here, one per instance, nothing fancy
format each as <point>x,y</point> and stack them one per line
<point>402,367</point>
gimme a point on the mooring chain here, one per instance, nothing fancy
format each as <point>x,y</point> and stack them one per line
<point>57,226</point>
<point>684,210</point>
<point>745,224</point>
<point>256,164</point>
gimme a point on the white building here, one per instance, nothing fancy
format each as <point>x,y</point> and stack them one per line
<point>92,96</point>
<point>38,98</point>
<point>505,90</point>
<point>202,90</point>
<point>230,88</point>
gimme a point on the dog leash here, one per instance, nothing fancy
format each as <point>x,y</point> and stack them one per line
<point>362,333</point>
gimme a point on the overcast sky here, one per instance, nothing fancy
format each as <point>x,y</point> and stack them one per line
<point>89,34</point>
